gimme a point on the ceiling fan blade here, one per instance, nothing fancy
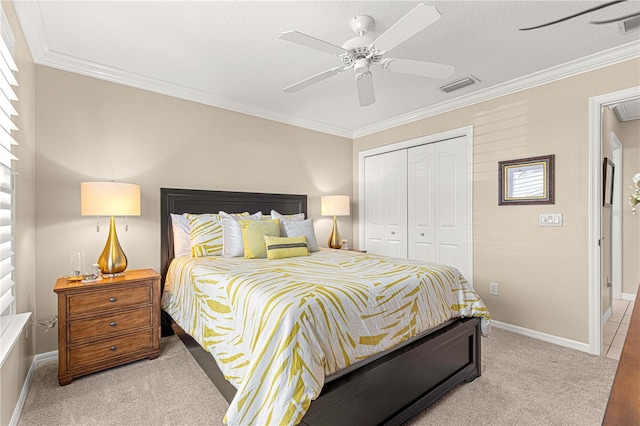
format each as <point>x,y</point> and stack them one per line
<point>424,69</point>
<point>313,79</point>
<point>364,83</point>
<point>312,42</point>
<point>419,18</point>
<point>622,18</point>
<point>566,18</point>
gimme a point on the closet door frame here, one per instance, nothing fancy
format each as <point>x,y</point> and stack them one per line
<point>465,132</point>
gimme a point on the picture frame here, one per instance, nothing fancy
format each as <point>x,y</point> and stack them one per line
<point>608,169</point>
<point>526,181</point>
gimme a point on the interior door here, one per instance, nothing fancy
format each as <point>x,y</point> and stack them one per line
<point>439,210</point>
<point>374,205</point>
<point>421,203</point>
<point>386,204</point>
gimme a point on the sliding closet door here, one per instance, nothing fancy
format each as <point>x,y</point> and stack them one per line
<point>385,215</point>
<point>438,203</point>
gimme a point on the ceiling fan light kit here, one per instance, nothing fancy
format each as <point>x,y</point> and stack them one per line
<point>363,51</point>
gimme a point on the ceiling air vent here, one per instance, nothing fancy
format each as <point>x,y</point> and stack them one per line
<point>459,84</point>
<point>629,25</point>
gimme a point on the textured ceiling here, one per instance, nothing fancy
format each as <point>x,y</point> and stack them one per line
<point>228,53</point>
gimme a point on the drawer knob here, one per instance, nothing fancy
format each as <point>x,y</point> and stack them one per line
<point>112,299</point>
<point>422,234</point>
<point>113,348</point>
<point>113,323</point>
<point>393,232</point>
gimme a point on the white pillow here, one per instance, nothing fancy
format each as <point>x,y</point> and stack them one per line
<point>286,217</point>
<point>232,243</point>
<point>181,239</point>
<point>301,228</point>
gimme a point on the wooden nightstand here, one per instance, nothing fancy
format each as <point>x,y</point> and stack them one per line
<point>107,323</point>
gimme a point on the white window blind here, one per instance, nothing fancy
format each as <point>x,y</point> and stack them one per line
<point>7,112</point>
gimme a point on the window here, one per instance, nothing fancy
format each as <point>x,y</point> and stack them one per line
<point>7,111</point>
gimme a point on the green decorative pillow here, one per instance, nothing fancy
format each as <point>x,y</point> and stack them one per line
<point>253,233</point>
<point>281,247</point>
<point>205,233</point>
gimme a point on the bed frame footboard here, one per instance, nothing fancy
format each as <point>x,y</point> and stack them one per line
<point>388,391</point>
<point>400,385</point>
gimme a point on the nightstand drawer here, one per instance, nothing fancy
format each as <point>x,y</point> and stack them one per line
<point>110,348</point>
<point>112,298</point>
<point>109,324</point>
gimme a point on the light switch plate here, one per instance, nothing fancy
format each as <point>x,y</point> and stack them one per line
<point>550,219</point>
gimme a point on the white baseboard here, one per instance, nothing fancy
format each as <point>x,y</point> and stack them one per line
<point>629,296</point>
<point>27,383</point>
<point>583,347</point>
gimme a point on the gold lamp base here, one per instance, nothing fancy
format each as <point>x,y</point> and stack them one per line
<point>112,261</point>
<point>334,239</point>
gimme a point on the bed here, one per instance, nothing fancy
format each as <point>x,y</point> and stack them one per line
<point>389,387</point>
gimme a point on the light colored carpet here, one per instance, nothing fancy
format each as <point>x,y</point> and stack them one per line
<point>524,382</point>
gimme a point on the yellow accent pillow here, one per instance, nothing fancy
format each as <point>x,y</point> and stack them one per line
<point>253,233</point>
<point>205,233</point>
<point>281,247</point>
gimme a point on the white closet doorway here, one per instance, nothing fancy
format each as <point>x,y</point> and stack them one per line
<point>416,199</point>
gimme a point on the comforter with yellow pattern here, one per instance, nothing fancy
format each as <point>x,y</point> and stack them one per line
<point>277,328</point>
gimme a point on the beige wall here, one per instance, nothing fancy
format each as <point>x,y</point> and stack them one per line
<point>16,366</point>
<point>542,272</point>
<point>90,129</point>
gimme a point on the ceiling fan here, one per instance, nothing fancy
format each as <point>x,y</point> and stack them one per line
<point>363,51</point>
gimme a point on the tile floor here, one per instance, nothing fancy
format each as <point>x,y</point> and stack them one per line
<point>615,330</point>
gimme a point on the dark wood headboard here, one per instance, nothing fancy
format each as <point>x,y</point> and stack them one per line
<point>181,201</point>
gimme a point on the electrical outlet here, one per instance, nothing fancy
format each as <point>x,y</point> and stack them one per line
<point>493,289</point>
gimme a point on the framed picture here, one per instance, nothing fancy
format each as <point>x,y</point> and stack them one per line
<point>607,182</point>
<point>526,181</point>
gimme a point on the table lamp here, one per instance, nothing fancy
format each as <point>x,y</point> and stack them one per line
<point>335,205</point>
<point>110,199</point>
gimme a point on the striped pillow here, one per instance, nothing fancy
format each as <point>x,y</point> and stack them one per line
<point>253,232</point>
<point>205,233</point>
<point>281,247</point>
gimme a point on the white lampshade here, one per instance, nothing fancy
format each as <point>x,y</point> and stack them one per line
<point>109,199</point>
<point>335,205</point>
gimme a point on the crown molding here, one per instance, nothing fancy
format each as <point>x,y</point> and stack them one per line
<point>34,31</point>
<point>568,69</point>
<point>30,18</point>
<point>115,75</point>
